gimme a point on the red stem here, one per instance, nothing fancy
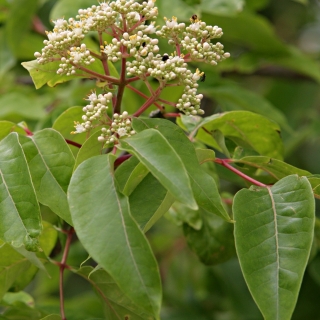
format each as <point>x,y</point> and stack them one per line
<point>141,94</point>
<point>148,103</point>
<point>63,266</point>
<point>172,115</point>
<point>225,163</point>
<point>121,159</point>
<point>73,143</point>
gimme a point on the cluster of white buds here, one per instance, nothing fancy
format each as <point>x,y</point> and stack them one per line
<point>76,56</point>
<point>95,110</point>
<point>120,127</point>
<point>133,42</point>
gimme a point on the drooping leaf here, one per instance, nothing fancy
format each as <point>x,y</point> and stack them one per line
<point>106,229</point>
<point>149,201</point>
<point>273,235</point>
<point>203,185</point>
<point>20,220</point>
<point>246,129</point>
<point>213,242</point>
<point>129,175</point>
<point>50,163</point>
<point>166,166</point>
<point>115,301</point>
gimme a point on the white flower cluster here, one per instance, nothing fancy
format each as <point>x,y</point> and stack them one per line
<point>120,127</point>
<point>94,111</point>
<point>168,68</point>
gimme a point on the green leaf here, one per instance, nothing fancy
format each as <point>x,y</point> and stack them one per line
<point>222,7</point>
<point>166,166</point>
<point>246,129</point>
<point>273,233</point>
<point>7,127</point>
<point>213,242</point>
<point>231,97</point>
<point>65,125</point>
<point>149,201</point>
<point>117,305</point>
<point>68,8</point>
<point>19,23</point>
<point>276,168</point>
<point>203,185</point>
<point>129,175</point>
<point>106,229</point>
<point>315,184</point>
<point>20,220</point>
<point>205,155</point>
<point>51,164</point>
<point>52,317</point>
<point>12,265</point>
<point>11,105</point>
<point>7,60</point>
<point>17,298</point>
<point>91,147</point>
<point>42,74</point>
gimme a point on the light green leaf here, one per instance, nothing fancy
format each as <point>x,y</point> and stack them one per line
<point>203,185</point>
<point>246,129</point>
<point>17,298</point>
<point>149,201</point>
<point>68,8</point>
<point>276,168</point>
<point>52,317</point>
<point>20,220</point>
<point>7,60</point>
<point>7,127</point>
<point>51,163</point>
<point>222,7</point>
<point>213,242</point>
<point>205,155</point>
<point>91,147</point>
<point>42,74</point>
<point>18,104</point>
<point>166,165</point>
<point>116,303</point>
<point>273,233</point>
<point>129,175</point>
<point>106,229</point>
<point>231,97</point>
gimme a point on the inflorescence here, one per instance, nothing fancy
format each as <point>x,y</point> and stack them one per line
<point>133,43</point>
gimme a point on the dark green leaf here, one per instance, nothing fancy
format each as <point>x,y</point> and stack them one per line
<point>106,229</point>
<point>50,163</point>
<point>166,166</point>
<point>129,175</point>
<point>214,241</point>
<point>149,201</point>
<point>116,303</point>
<point>20,220</point>
<point>273,234</point>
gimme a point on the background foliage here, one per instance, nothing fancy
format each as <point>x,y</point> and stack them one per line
<point>273,71</point>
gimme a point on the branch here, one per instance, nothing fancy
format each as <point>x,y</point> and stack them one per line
<point>63,266</point>
<point>225,163</point>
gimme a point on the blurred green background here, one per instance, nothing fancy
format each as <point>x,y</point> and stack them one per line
<point>274,70</point>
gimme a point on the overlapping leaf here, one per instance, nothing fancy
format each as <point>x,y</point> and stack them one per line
<point>166,165</point>
<point>273,234</point>
<point>106,229</point>
<point>204,187</point>
<point>19,208</point>
<point>246,129</point>
<point>50,163</point>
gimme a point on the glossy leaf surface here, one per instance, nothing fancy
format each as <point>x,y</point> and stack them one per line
<point>273,235</point>
<point>106,229</point>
